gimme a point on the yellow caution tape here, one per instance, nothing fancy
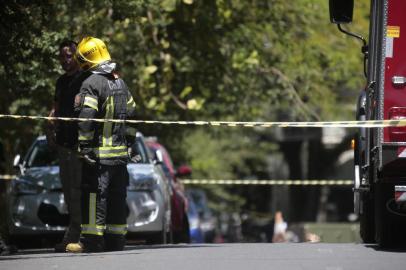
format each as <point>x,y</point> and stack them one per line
<point>7,177</point>
<point>326,182</point>
<point>268,182</point>
<point>344,124</point>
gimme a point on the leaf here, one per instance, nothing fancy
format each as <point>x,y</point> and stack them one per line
<point>195,104</point>
<point>191,104</point>
<point>168,5</point>
<point>152,103</point>
<point>151,69</point>
<point>186,91</point>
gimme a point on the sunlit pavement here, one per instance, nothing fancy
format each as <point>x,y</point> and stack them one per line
<point>216,256</point>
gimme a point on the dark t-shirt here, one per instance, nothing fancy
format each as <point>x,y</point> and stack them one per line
<point>67,87</point>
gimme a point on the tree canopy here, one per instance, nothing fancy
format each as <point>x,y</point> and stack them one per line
<point>190,60</point>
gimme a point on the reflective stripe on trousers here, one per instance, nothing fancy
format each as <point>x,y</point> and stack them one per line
<point>116,229</point>
<point>104,201</point>
<point>92,227</point>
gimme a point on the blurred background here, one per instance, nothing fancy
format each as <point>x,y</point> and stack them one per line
<point>212,60</point>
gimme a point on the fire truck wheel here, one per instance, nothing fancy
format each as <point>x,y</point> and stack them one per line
<point>390,226</point>
<point>366,218</point>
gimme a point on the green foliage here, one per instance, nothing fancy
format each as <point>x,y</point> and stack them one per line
<point>191,60</point>
<point>225,155</point>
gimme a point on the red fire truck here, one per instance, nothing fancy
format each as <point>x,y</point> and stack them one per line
<point>380,153</point>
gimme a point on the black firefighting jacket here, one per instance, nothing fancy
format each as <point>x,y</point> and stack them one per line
<point>105,96</point>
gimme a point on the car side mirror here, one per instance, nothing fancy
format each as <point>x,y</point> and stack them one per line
<point>183,170</point>
<point>16,161</point>
<point>341,11</point>
<point>159,157</point>
<point>17,164</point>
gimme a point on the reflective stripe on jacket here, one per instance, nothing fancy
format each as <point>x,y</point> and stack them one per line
<point>105,96</point>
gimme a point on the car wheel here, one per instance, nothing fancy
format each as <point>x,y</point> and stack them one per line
<point>164,235</point>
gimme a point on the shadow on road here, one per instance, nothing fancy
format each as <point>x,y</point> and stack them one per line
<point>400,249</point>
<point>30,254</point>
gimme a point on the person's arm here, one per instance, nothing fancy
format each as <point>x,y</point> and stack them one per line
<point>86,104</point>
<point>55,106</point>
<point>50,131</point>
<point>50,126</point>
<point>52,112</point>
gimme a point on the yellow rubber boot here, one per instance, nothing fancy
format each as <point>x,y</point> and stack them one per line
<point>74,248</point>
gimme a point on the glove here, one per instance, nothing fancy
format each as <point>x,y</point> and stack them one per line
<point>87,155</point>
<point>134,156</point>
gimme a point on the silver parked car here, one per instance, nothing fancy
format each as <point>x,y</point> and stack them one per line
<point>148,197</point>
<point>37,207</point>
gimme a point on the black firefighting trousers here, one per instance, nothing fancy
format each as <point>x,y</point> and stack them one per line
<point>104,209</point>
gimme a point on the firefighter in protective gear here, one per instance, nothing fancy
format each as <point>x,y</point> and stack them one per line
<point>104,148</point>
<point>91,52</point>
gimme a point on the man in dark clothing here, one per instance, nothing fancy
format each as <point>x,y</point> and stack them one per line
<point>4,248</point>
<point>104,148</point>
<point>67,87</point>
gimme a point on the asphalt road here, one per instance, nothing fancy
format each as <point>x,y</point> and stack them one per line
<point>217,256</point>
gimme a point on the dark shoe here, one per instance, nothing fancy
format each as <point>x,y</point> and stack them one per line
<point>114,242</point>
<point>60,247</point>
<point>92,243</point>
<point>7,250</point>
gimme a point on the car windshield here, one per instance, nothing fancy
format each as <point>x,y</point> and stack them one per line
<point>41,156</point>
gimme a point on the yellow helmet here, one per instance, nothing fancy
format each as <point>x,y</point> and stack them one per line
<point>91,52</point>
